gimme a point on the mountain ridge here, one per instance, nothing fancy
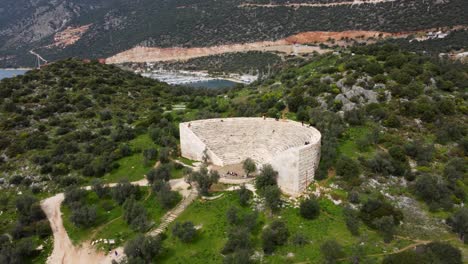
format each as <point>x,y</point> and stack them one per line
<point>119,25</point>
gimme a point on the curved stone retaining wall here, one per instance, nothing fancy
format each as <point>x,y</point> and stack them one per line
<point>291,148</point>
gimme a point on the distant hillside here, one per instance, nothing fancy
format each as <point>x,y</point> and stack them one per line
<point>103,28</point>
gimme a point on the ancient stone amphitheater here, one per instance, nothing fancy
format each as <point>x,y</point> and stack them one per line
<point>291,148</point>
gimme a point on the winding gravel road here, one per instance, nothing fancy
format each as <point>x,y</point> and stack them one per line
<point>65,252</point>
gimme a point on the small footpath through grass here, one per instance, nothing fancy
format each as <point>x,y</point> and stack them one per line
<point>110,223</point>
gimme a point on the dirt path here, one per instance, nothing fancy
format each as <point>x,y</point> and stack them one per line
<point>64,252</point>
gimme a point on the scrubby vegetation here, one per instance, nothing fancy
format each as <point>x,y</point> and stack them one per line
<point>75,119</point>
<point>96,214</point>
<point>393,160</point>
<point>20,240</point>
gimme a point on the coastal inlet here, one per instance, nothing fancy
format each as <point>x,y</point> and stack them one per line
<point>199,78</point>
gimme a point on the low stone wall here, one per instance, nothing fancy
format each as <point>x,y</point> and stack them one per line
<point>293,149</point>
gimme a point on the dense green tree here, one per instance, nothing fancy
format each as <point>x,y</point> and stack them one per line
<point>354,197</point>
<point>373,68</point>
<point>143,249</point>
<point>392,121</point>
<point>347,168</point>
<point>232,215</point>
<point>272,196</point>
<point>374,209</point>
<point>16,253</point>
<point>74,194</point>
<point>162,172</point>
<point>435,252</point>
<point>135,215</point>
<point>124,190</point>
<point>185,231</point>
<point>99,188</point>
<point>247,220</point>
<point>332,251</point>
<point>244,195</point>
<point>276,234</point>
<point>381,163</point>
<point>149,155</point>
<point>386,226</point>
<point>355,117</point>
<point>459,223</point>
<point>267,177</point>
<point>164,155</point>
<point>238,239</point>
<point>434,191</point>
<point>165,196</point>
<point>455,169</point>
<point>440,252</point>
<point>204,179</point>
<point>309,208</point>
<point>83,215</point>
<point>29,209</point>
<point>398,153</point>
<point>249,166</point>
<point>351,217</point>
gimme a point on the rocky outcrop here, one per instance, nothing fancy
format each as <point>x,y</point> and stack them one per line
<point>45,21</point>
<point>350,97</point>
<point>69,36</point>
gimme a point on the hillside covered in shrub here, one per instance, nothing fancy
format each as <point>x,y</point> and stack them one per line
<point>76,118</point>
<point>394,153</point>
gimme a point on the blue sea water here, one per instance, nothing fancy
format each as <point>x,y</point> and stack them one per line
<point>205,84</point>
<point>212,84</point>
<point>10,73</point>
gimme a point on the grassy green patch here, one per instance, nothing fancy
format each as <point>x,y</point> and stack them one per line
<point>211,238</point>
<point>110,224</point>
<point>329,225</point>
<point>348,145</point>
<point>8,216</point>
<point>132,167</point>
<point>79,234</point>
<point>177,173</point>
<point>48,245</point>
<point>187,161</point>
<point>211,215</point>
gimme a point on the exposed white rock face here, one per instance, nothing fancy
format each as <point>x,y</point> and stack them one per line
<point>357,93</point>
<point>291,148</point>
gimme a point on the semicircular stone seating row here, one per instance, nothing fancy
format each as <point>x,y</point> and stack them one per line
<point>234,140</point>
